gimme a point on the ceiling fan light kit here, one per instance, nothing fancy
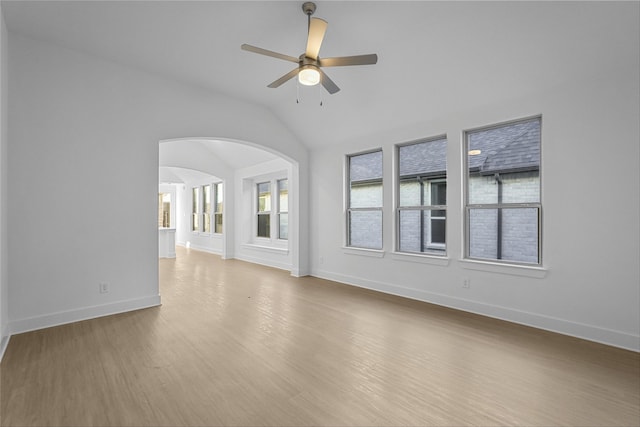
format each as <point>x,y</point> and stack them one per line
<point>309,70</point>
<point>309,75</point>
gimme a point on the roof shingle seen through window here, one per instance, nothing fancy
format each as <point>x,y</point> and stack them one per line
<point>365,167</point>
<point>513,147</point>
<point>423,159</point>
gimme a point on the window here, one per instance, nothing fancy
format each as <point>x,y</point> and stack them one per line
<point>206,214</point>
<point>195,209</point>
<point>364,205</point>
<point>164,210</point>
<point>218,207</point>
<point>503,207</point>
<point>422,197</point>
<point>283,209</point>
<point>264,209</point>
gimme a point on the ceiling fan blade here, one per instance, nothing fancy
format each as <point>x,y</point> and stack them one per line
<point>341,61</point>
<point>328,84</point>
<point>291,74</point>
<point>317,28</point>
<point>266,52</point>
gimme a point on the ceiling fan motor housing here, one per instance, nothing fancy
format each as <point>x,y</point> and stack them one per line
<point>309,8</point>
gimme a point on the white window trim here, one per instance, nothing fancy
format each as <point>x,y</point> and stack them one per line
<point>496,265</point>
<point>203,214</point>
<point>428,256</point>
<point>280,211</point>
<point>214,195</point>
<point>198,213</point>
<point>356,250</point>
<point>272,242</point>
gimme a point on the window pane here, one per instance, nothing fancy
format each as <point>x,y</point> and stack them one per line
<point>426,159</point>
<point>264,197</point>
<point>503,167</point>
<point>195,198</point>
<point>422,230</point>
<point>410,236</point>
<point>503,164</point>
<point>283,230</point>
<point>195,209</point>
<point>218,223</point>
<point>410,192</point>
<point>419,165</point>
<point>195,222</point>
<point>483,231</point>
<point>439,193</point>
<point>283,189</point>
<point>206,222</point>
<point>520,235</point>
<point>366,195</point>
<point>219,197</point>
<point>437,230</point>
<point>504,234</point>
<point>365,185</point>
<point>206,191</point>
<point>264,221</point>
<point>365,229</point>
<point>164,210</point>
<point>365,191</point>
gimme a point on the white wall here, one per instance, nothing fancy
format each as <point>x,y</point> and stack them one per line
<point>4,282</point>
<point>590,171</point>
<point>85,132</point>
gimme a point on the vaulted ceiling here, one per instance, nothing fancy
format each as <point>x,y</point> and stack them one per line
<point>435,58</point>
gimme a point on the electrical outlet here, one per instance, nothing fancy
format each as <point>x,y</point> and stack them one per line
<point>466,283</point>
<point>104,287</point>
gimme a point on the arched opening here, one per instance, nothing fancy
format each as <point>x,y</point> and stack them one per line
<point>232,198</point>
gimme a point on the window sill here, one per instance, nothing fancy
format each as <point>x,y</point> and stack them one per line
<point>272,249</point>
<point>421,258</point>
<point>509,269</point>
<point>376,253</point>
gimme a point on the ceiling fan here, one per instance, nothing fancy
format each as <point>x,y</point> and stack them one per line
<point>309,70</point>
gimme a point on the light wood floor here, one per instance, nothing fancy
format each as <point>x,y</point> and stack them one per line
<point>240,344</point>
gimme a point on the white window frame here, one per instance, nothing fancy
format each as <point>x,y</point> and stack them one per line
<point>349,209</point>
<point>198,209</point>
<point>273,241</point>
<point>430,243</point>
<point>259,213</point>
<point>217,187</point>
<point>204,215</point>
<point>279,208</point>
<point>468,206</point>
<point>438,250</point>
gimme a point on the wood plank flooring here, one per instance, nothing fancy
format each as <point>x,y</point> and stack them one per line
<point>239,344</point>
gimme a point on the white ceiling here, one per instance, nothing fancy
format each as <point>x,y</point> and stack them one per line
<point>178,175</point>
<point>435,58</point>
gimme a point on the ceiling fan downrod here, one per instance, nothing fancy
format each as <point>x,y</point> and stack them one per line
<point>308,8</point>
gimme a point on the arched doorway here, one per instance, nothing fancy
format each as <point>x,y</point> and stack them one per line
<point>257,183</point>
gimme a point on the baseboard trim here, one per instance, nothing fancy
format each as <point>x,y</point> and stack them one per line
<point>261,261</point>
<point>77,315</point>
<point>201,248</point>
<point>565,327</point>
<point>4,343</point>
